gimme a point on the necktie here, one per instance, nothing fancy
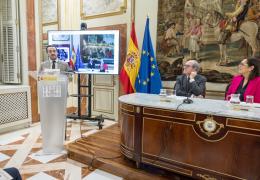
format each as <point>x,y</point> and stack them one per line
<point>53,64</point>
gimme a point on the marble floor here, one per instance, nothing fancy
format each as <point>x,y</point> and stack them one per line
<point>21,149</point>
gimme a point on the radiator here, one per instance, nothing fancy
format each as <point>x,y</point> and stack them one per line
<point>15,107</point>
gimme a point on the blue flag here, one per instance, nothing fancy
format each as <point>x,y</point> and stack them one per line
<point>78,63</point>
<point>148,79</point>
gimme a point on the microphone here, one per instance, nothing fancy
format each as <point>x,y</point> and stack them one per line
<point>187,100</point>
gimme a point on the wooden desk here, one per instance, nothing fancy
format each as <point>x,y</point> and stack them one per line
<point>204,140</point>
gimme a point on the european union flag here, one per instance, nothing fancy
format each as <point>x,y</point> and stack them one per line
<point>148,79</point>
<point>78,63</point>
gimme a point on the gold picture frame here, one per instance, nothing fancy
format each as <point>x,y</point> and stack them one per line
<point>50,12</point>
<point>108,9</point>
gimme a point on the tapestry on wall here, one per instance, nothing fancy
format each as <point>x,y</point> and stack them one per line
<point>211,31</point>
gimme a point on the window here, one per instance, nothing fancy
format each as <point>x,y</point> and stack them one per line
<point>9,42</point>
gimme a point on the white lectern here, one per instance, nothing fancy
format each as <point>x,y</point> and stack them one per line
<point>52,92</point>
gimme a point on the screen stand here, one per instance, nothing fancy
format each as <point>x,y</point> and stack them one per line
<point>88,116</point>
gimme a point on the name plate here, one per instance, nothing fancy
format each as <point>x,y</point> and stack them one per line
<point>49,78</point>
<point>50,75</point>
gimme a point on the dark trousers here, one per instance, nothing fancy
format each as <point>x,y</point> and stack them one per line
<point>14,173</point>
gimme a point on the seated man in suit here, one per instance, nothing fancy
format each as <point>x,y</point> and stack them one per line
<point>190,82</point>
<point>53,62</point>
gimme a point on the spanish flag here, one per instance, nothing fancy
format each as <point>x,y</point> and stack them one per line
<point>72,58</point>
<point>131,66</point>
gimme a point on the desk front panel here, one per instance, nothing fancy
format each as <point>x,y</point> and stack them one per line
<point>197,145</point>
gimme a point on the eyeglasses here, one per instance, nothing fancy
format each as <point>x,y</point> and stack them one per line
<point>186,65</point>
<point>242,64</point>
<point>52,51</point>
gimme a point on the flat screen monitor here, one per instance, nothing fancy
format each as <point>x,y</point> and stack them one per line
<point>91,52</point>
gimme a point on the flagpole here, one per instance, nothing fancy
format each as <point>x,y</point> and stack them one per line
<point>133,11</point>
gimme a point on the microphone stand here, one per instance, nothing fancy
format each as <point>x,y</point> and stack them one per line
<point>187,100</point>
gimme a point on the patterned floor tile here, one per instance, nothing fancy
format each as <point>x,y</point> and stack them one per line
<point>27,176</point>
<point>25,135</point>
<point>56,174</point>
<point>39,156</point>
<point>3,163</point>
<point>20,148</point>
<point>101,175</point>
<point>11,140</point>
<point>41,176</point>
<point>60,159</point>
<point>3,156</point>
<point>30,161</point>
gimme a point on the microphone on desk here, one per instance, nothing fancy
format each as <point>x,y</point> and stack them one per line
<point>187,100</point>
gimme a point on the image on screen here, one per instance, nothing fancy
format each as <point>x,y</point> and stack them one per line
<point>91,52</point>
<point>63,52</point>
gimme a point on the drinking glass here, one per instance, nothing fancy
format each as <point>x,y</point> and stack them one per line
<point>163,92</point>
<point>174,92</point>
<point>249,99</point>
<point>235,99</point>
<point>168,92</point>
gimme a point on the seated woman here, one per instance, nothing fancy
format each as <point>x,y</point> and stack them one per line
<point>248,82</point>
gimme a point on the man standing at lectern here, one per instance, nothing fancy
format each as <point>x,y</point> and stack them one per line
<point>190,82</point>
<point>53,62</point>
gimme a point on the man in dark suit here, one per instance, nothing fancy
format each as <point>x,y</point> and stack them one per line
<point>190,82</point>
<point>53,62</point>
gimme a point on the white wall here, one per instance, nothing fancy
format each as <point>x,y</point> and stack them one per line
<point>142,9</point>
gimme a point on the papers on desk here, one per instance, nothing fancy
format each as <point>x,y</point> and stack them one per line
<point>171,98</point>
<point>165,98</point>
<point>244,106</point>
<point>180,98</point>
